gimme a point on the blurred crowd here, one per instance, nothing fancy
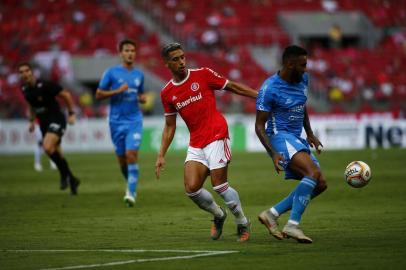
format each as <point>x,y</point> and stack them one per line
<point>217,34</point>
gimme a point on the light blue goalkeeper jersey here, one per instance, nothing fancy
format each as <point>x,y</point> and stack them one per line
<point>286,104</point>
<point>124,107</point>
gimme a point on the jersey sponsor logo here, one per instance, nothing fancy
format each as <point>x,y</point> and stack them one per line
<point>297,109</point>
<point>40,110</point>
<point>194,86</point>
<point>188,101</point>
<point>296,118</point>
<point>288,101</point>
<point>132,90</point>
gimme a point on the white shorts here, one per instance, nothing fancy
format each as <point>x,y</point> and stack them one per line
<point>215,155</point>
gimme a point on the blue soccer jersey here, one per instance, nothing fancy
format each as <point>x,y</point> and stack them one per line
<point>285,102</point>
<point>124,107</point>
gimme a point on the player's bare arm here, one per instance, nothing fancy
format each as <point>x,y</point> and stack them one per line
<point>31,118</point>
<point>260,121</point>
<point>167,137</point>
<point>241,89</point>
<point>102,94</point>
<point>67,97</point>
<point>311,138</point>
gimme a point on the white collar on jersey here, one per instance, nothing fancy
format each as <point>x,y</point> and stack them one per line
<point>184,80</point>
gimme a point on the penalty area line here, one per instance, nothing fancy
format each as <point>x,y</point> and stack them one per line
<point>196,254</point>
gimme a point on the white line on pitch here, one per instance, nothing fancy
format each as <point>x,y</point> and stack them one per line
<point>201,253</point>
<point>119,250</point>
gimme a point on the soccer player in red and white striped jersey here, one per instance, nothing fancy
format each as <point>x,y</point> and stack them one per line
<point>190,94</point>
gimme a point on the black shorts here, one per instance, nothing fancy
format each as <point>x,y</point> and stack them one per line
<point>54,123</point>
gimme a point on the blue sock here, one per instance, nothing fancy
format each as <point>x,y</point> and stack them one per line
<point>124,171</point>
<point>132,179</point>
<point>302,198</point>
<point>286,204</point>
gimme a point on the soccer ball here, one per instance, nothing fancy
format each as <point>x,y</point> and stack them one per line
<point>357,174</point>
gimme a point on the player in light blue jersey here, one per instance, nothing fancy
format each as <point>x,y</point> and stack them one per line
<point>281,107</point>
<point>124,85</point>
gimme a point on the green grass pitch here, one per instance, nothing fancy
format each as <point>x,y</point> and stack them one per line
<point>351,228</point>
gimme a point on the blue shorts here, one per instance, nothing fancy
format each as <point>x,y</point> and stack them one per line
<point>287,145</point>
<point>126,136</point>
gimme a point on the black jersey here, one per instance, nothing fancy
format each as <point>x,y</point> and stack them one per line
<point>41,98</point>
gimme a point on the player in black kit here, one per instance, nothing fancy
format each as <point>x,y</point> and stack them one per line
<point>41,96</point>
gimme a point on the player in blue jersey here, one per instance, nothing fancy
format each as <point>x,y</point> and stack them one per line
<point>124,85</point>
<point>281,106</point>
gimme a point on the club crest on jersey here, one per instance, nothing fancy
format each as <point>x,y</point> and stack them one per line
<point>194,86</point>
<point>174,98</point>
<point>137,82</point>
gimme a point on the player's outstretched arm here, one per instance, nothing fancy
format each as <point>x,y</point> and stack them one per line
<point>241,89</point>
<point>167,137</point>
<point>260,121</point>
<point>311,138</point>
<point>102,94</point>
<point>67,97</point>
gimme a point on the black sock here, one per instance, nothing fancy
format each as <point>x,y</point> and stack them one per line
<point>61,163</point>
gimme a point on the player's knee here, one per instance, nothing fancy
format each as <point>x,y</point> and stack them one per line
<point>315,175</point>
<point>131,157</point>
<point>191,188</point>
<point>49,148</point>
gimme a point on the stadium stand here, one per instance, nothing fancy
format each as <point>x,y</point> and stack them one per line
<point>78,27</point>
<point>218,34</point>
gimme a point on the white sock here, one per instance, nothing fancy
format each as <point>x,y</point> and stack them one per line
<point>205,201</point>
<point>293,222</point>
<point>274,212</point>
<point>232,201</point>
<point>37,154</point>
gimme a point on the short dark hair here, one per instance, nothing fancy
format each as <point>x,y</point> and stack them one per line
<point>24,63</point>
<point>126,42</point>
<point>170,48</point>
<point>292,51</point>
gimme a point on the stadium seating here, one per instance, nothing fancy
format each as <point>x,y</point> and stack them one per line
<point>356,73</point>
<point>79,27</point>
<point>217,34</point>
